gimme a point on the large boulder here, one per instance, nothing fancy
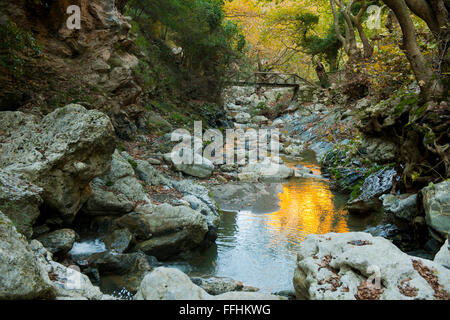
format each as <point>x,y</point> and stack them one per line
<point>174,229</point>
<point>357,265</point>
<point>172,284</point>
<point>436,202</point>
<point>22,276</point>
<point>20,201</point>
<point>61,154</point>
<point>169,284</point>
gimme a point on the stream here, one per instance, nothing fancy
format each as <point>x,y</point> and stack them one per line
<point>258,238</point>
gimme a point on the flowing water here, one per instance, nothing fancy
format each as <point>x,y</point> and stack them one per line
<point>259,247</point>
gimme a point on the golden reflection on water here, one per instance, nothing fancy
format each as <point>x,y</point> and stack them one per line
<point>307,206</point>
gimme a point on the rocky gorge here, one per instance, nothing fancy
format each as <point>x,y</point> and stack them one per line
<point>93,207</point>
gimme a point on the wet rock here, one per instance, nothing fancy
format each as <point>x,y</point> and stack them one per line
<point>58,242</point>
<point>436,202</point>
<point>401,206</point>
<point>118,241</point>
<point>443,256</point>
<point>373,187</point>
<point>340,266</point>
<point>61,154</point>
<point>172,284</point>
<point>20,201</point>
<point>321,148</point>
<point>348,178</point>
<point>21,274</point>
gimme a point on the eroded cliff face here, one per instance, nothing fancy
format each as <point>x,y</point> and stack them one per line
<point>92,66</point>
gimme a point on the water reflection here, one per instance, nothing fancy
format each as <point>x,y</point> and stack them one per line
<point>260,233</point>
<point>307,207</point>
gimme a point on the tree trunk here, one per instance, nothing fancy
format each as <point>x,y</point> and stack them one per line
<point>322,75</point>
<point>424,75</point>
<point>368,47</point>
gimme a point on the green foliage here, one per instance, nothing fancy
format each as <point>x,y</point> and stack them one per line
<point>209,43</point>
<point>132,163</point>
<point>16,45</point>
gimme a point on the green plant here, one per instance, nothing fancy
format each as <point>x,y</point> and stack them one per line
<point>133,163</point>
<point>16,46</point>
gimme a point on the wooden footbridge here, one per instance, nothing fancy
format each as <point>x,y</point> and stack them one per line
<point>269,79</point>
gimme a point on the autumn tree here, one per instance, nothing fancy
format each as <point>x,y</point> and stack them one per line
<point>352,23</point>
<point>435,14</point>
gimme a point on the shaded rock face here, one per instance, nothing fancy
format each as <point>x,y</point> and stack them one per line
<point>374,186</point>
<point>21,274</point>
<point>172,284</point>
<point>20,201</point>
<point>436,202</point>
<point>343,266</point>
<point>96,60</point>
<point>60,154</point>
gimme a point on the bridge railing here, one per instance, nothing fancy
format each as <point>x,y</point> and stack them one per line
<point>268,78</point>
